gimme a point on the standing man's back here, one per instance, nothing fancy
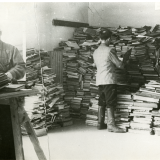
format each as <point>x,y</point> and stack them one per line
<point>106,62</point>
<point>106,68</point>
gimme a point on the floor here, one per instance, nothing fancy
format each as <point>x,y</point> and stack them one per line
<point>82,142</point>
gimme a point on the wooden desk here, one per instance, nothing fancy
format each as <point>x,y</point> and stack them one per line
<point>14,104</point>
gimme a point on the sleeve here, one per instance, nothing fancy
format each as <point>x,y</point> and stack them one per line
<point>18,65</point>
<point>114,58</point>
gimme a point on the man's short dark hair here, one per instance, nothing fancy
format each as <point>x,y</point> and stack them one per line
<point>105,34</point>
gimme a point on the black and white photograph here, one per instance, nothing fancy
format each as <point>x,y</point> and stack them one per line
<point>80,80</point>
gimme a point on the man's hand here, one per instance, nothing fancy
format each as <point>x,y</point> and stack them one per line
<point>9,75</point>
<point>93,65</point>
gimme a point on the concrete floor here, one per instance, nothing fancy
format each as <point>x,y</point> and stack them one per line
<point>82,142</point>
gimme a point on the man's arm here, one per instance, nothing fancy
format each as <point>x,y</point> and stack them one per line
<point>17,70</point>
<point>114,58</point>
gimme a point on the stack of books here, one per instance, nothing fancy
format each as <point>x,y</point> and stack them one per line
<point>142,57</point>
<point>3,80</point>
<point>85,87</point>
<point>78,72</point>
<point>92,103</point>
<point>151,89</point>
<point>141,119</point>
<point>148,70</point>
<point>34,106</point>
<point>85,60</point>
<point>92,114</point>
<point>155,32</point>
<point>135,77</point>
<point>57,104</point>
<point>32,65</point>
<point>122,113</point>
<point>71,83</point>
<point>146,100</point>
<point>79,76</point>
<point>83,105</point>
<point>151,48</point>
<point>156,121</point>
<point>75,107</point>
<point>55,112</point>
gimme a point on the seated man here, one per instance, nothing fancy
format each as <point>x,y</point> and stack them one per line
<point>11,61</point>
<point>13,65</point>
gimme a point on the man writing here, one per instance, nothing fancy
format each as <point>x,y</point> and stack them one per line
<point>11,61</point>
<point>13,65</point>
<point>106,61</point>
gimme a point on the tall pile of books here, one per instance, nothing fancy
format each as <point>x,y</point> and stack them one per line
<point>151,89</point>
<point>142,60</point>
<point>135,78</point>
<point>79,76</point>
<point>92,114</point>
<point>32,65</point>
<point>3,80</point>
<point>122,111</point>
<point>71,82</point>
<point>34,106</point>
<point>146,101</point>
<point>78,72</point>
<point>133,69</point>
<point>55,112</point>
<point>86,85</point>
<point>85,61</point>
<point>146,63</point>
<point>48,110</point>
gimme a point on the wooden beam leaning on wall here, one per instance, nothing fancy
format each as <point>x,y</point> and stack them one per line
<point>69,23</point>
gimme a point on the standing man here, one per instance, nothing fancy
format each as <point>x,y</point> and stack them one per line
<point>106,61</point>
<point>13,65</point>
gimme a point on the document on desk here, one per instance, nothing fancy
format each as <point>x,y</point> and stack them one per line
<point>13,87</point>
